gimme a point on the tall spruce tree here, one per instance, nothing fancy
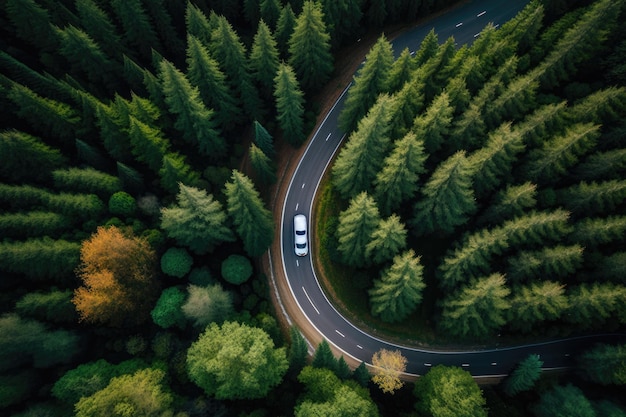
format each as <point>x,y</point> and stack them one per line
<point>138,34</point>
<point>42,159</point>
<point>289,105</point>
<point>433,125</point>
<point>594,231</point>
<point>604,364</point>
<point>342,20</point>
<point>536,303</point>
<point>554,262</point>
<point>252,221</point>
<point>387,240</point>
<point>399,290</point>
<point>175,170</point>
<point>263,139</point>
<point>448,199</point>
<point>284,29</point>
<point>362,157</point>
<point>370,81</point>
<point>356,225</point>
<point>309,48</point>
<point>585,199</point>
<point>593,305</point>
<point>264,60</point>
<point>524,376</point>
<point>262,165</point>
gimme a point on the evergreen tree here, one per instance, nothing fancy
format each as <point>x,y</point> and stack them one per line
<point>324,358</point>
<point>270,11</point>
<point>401,71</point>
<point>362,375</point>
<point>262,165</point>
<point>592,305</point>
<point>264,60</point>
<point>54,306</point>
<point>524,376</point>
<point>362,157</point>
<point>564,401</point>
<point>510,202</point>
<point>40,259</point>
<point>370,81</point>
<point>138,31</point>
<point>226,48</point>
<point>432,126</point>
<point>148,144</point>
<point>193,119</point>
<point>604,364</point>
<point>397,182</point>
<point>376,13</point>
<point>514,102</point>
<point>162,21</point>
<point>298,351</point>
<point>167,311</point>
<point>586,199</point>
<point>131,180</point>
<point>552,161</point>
<point>554,262</point>
<point>284,29</point>
<point>594,231</point>
<point>434,70</point>
<point>31,22</point>
<point>41,160</point>
<point>289,105</point>
<point>356,226</point>
<point>406,104</point>
<point>309,48</point>
<point>399,290</point>
<point>342,20</point>
<point>197,24</point>
<point>263,140</point>
<point>33,224</point>
<point>175,170</point>
<point>197,221</point>
<point>604,105</point>
<point>612,267</point>
<point>251,11</point>
<point>204,73</point>
<point>537,228</point>
<point>387,240</point>
<point>476,310</point>
<point>252,221</point>
<point>86,180</point>
<point>536,303</point>
<point>602,165</point>
<point>448,198</point>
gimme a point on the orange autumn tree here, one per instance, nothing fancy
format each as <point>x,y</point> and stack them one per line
<point>117,270</point>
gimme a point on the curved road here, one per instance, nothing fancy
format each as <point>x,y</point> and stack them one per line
<point>464,23</point>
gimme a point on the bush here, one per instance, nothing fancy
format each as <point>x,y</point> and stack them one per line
<point>122,204</point>
<point>176,262</point>
<point>236,269</point>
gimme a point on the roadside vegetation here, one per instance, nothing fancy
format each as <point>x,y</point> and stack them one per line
<point>139,140</point>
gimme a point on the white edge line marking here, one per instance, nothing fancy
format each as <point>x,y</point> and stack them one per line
<point>477,35</point>
<point>310,301</point>
<point>481,13</point>
<point>339,333</point>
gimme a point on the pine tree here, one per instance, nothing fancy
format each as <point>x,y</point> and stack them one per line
<point>86,180</point>
<point>458,94</point>
<point>298,351</point>
<point>33,224</point>
<point>514,102</point>
<point>264,60</point>
<point>376,13</point>
<point>342,20</point>
<point>399,290</point>
<point>564,401</point>
<point>42,159</point>
<point>602,106</point>
<point>138,33</point>
<point>554,262</point>
<point>510,202</point>
<point>131,180</point>
<point>397,182</point>
<point>592,305</point>
<point>284,29</point>
<point>448,198</point>
<point>612,267</point>
<point>434,70</point>
<point>263,139</point>
<point>204,73</point>
<point>251,11</point>
<point>160,17</point>
<point>401,71</point>
<point>406,104</point>
<point>604,364</point>
<point>586,199</point>
<point>32,23</point>
<point>323,357</point>
<point>558,155</point>
<point>193,119</point>
<point>524,376</point>
<point>432,126</point>
<point>148,144</point>
<point>270,12</point>
<point>175,170</point>
<point>594,231</point>
<point>361,375</point>
<point>362,157</point>
<point>387,240</point>
<point>41,259</point>
<point>356,226</point>
<point>262,165</point>
<point>536,303</point>
<point>476,310</point>
<point>253,222</point>
<point>523,29</point>
<point>609,164</point>
<point>45,85</point>
<point>197,24</point>
<point>309,48</point>
<point>226,48</point>
<point>370,81</point>
<point>197,221</point>
<point>289,105</point>
<point>537,228</point>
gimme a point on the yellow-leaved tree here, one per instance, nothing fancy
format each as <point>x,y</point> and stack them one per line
<point>388,366</point>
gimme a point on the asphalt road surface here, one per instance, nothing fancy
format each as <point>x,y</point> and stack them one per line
<point>464,23</point>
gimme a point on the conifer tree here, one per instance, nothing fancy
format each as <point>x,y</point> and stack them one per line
<point>356,226</point>
<point>323,357</point>
<point>397,182</point>
<point>197,221</point>
<point>86,180</point>
<point>399,290</point>
<point>131,180</point>
<point>564,401</point>
<point>40,259</point>
<point>298,351</point>
<point>362,157</point>
<point>252,221</point>
<point>434,70</point>
<point>226,48</point>
<point>42,159</point>
<point>612,267</point>
<point>193,119</point>
<point>387,240</point>
<point>32,23</point>
<point>159,15</point>
<point>593,231</point>
<point>552,161</point>
<point>204,72</point>
<point>138,32</point>
<point>604,364</point>
<point>289,105</point>
<point>406,104</point>
<point>263,139</point>
<point>586,199</point>
<point>592,305</point>
<point>342,20</point>
<point>478,309</point>
<point>148,144</point>
<point>197,24</point>
<point>262,165</point>
<point>598,107</point>
<point>309,48</point>
<point>370,81</point>
<point>432,126</point>
<point>609,164</point>
<point>175,170</point>
<point>264,60</point>
<point>524,376</point>
<point>376,13</point>
<point>510,202</point>
<point>270,12</point>
<point>448,198</point>
<point>401,71</point>
<point>284,29</point>
<point>33,224</point>
<point>251,11</point>
<point>537,228</point>
<point>538,302</point>
<point>554,262</point>
<point>514,102</point>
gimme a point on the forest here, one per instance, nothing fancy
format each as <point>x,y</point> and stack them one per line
<point>139,141</point>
